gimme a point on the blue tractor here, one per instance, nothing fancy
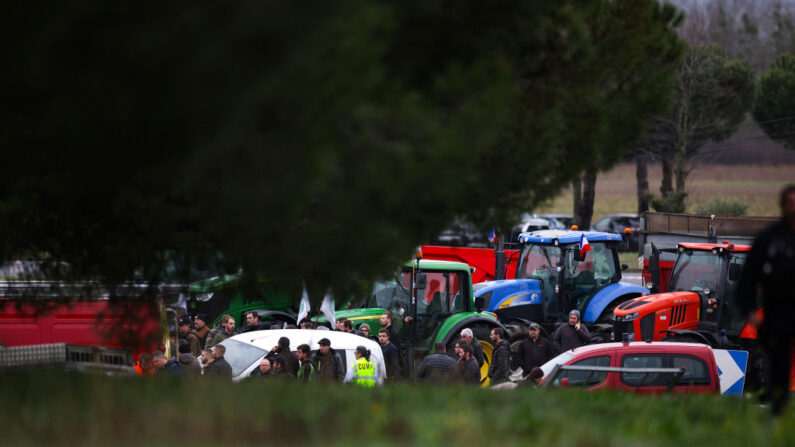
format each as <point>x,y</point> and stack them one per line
<point>558,271</point>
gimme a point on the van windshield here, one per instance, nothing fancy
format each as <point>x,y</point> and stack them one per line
<point>241,355</point>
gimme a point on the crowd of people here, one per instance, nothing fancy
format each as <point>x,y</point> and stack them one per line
<point>200,352</point>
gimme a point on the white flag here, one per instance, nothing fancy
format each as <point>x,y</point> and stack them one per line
<point>303,308</point>
<point>327,307</point>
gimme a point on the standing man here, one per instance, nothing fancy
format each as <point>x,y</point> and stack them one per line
<point>207,358</point>
<point>386,323</point>
<point>477,349</point>
<point>329,364</point>
<point>252,322</point>
<point>280,369</point>
<point>437,367</point>
<point>143,367</point>
<point>202,329</point>
<point>470,371</point>
<point>500,367</point>
<point>190,336</point>
<point>533,351</point>
<point>391,360</point>
<point>571,335</point>
<point>263,370</point>
<point>771,268</point>
<point>226,330</point>
<point>220,367</point>
<point>306,370</point>
<point>165,367</point>
<point>282,349</point>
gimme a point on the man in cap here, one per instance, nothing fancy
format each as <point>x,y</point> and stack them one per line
<point>533,351</point>
<point>202,329</point>
<point>477,349</point>
<point>329,364</point>
<point>190,336</point>
<point>571,335</point>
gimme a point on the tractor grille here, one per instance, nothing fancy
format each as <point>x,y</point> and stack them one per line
<point>678,314</point>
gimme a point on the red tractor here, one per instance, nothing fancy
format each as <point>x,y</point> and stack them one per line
<point>700,303</point>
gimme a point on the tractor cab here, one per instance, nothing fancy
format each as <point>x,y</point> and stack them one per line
<point>570,267</point>
<point>712,271</point>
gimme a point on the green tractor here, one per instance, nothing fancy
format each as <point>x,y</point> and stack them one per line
<point>430,301</point>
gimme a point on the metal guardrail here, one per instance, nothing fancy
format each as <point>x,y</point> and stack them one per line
<point>676,372</point>
<point>69,357</point>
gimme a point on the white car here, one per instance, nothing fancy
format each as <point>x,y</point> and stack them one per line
<point>244,351</point>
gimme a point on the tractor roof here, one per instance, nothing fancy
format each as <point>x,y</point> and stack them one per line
<point>699,246</point>
<point>566,236</point>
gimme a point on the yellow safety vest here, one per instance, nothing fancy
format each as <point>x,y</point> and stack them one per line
<point>364,373</point>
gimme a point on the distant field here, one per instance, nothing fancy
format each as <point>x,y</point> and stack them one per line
<point>757,186</point>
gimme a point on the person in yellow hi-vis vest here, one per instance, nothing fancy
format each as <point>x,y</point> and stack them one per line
<point>363,369</point>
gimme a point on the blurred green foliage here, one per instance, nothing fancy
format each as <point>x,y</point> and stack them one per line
<point>774,109</point>
<point>62,409</point>
<point>723,205</point>
<point>308,141</point>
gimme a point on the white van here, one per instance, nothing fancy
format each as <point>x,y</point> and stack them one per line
<point>244,351</point>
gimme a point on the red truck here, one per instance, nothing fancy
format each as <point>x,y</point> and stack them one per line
<point>30,314</point>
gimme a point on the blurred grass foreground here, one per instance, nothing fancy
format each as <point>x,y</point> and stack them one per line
<point>66,409</point>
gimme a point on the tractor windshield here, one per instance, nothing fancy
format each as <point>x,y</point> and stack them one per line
<point>540,262</point>
<point>597,269</point>
<point>696,270</point>
<point>732,319</point>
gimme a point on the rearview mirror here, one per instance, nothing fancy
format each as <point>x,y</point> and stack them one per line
<point>735,272</point>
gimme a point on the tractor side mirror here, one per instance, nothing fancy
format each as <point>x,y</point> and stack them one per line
<point>735,272</point>
<point>480,304</point>
<point>420,281</point>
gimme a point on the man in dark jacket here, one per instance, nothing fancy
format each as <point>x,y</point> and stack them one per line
<point>253,323</point>
<point>329,364</point>
<point>220,367</point>
<point>391,359</point>
<point>218,335</point>
<point>500,367</point>
<point>571,335</point>
<point>189,364</point>
<point>165,367</point>
<point>282,349</point>
<point>771,267</point>
<point>306,372</point>
<point>190,336</point>
<point>469,371</point>
<point>263,371</point>
<point>533,351</point>
<point>202,329</point>
<point>477,349</point>
<point>438,367</point>
<point>280,369</point>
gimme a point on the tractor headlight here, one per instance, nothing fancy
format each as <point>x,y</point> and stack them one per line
<point>629,317</point>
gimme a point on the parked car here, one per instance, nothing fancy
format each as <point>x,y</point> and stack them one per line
<point>617,223</point>
<point>701,369</point>
<point>529,225</point>
<point>460,234</point>
<point>244,351</point>
<point>558,221</point>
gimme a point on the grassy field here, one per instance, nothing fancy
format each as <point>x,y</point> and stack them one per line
<point>45,409</point>
<point>757,186</point>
